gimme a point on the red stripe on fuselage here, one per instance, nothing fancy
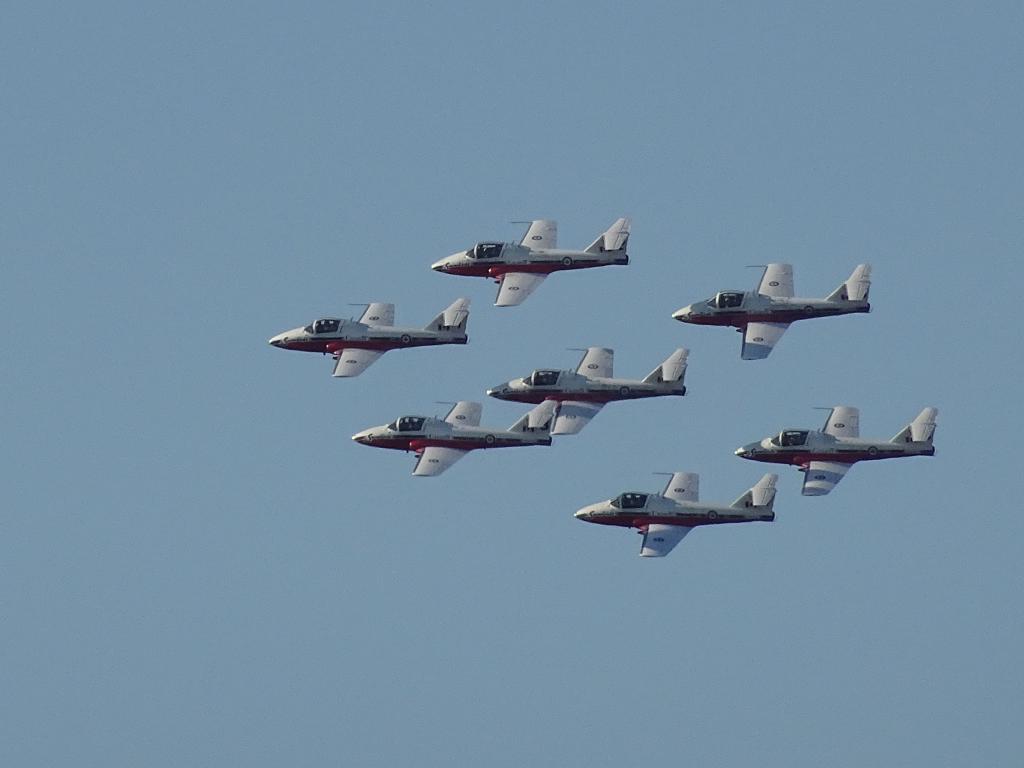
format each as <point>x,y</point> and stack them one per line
<point>851,457</point>
<point>610,396</point>
<point>333,346</point>
<point>463,444</point>
<point>739,319</point>
<point>687,521</point>
<point>541,268</point>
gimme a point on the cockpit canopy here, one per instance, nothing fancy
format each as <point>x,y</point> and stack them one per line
<point>630,501</point>
<point>790,438</point>
<point>407,424</point>
<point>485,251</point>
<point>324,325</point>
<point>543,378</point>
<point>726,300</point>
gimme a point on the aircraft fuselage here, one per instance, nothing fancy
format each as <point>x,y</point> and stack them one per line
<point>758,308</point>
<point>518,258</point>
<point>589,390</point>
<point>824,447</point>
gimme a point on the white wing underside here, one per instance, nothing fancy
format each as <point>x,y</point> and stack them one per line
<point>351,362</point>
<point>683,486</point>
<point>379,314</point>
<point>660,539</point>
<point>777,281</point>
<point>434,460</point>
<point>516,286</point>
<point>573,416</point>
<point>543,233</point>
<point>820,477</point>
<point>759,339</point>
<point>844,421</point>
<point>598,361</point>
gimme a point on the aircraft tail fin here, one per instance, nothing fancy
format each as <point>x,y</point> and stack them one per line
<point>920,430</point>
<point>612,239</point>
<point>762,494</point>
<point>538,420</point>
<point>452,320</point>
<point>673,369</point>
<point>856,287</point>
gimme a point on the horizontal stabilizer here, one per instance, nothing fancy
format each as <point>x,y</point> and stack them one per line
<point>762,494</point>
<point>673,369</point>
<point>856,287</point>
<point>537,420</point>
<point>451,319</point>
<point>920,430</point>
<point>613,239</point>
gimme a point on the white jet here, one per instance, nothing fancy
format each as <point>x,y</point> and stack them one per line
<point>582,393</point>
<point>665,519</point>
<point>763,315</point>
<point>520,267</point>
<point>826,456</point>
<point>439,443</point>
<point>357,344</point>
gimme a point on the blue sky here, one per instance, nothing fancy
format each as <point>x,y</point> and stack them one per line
<point>200,568</point>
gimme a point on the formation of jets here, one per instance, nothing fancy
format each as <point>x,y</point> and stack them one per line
<point>565,401</point>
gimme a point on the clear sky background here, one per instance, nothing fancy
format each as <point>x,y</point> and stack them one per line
<point>200,568</point>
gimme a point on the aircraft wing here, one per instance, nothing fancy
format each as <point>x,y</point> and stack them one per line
<point>683,486</point>
<point>844,421</point>
<point>516,286</point>
<point>597,361</point>
<point>543,233</point>
<point>820,477</point>
<point>465,414</point>
<point>759,339</point>
<point>777,281</point>
<point>379,314</point>
<point>659,539</point>
<point>573,416</point>
<point>434,460</point>
<point>351,362</point>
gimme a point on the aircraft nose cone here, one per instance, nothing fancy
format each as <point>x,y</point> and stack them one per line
<point>275,341</point>
<point>499,390</point>
<point>362,437</point>
<point>744,451</point>
<point>682,314</point>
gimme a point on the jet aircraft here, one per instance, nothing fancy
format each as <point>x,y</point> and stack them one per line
<point>439,443</point>
<point>763,315</point>
<point>666,518</point>
<point>357,344</point>
<point>826,456</point>
<point>582,393</point>
<point>520,267</point>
